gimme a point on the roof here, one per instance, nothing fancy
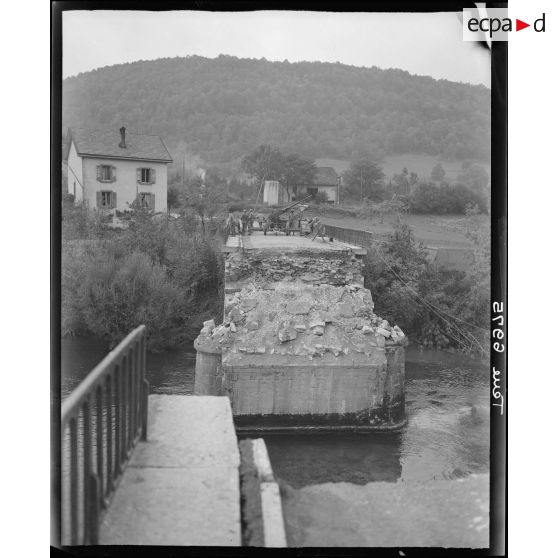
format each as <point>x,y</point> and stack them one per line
<point>105,143</point>
<point>326,176</point>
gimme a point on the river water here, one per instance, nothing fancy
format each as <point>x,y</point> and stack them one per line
<point>447,435</point>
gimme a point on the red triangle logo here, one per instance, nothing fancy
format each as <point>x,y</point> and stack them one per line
<point>519,25</point>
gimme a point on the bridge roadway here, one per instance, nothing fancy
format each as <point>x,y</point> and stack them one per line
<point>181,486</point>
<point>258,240</point>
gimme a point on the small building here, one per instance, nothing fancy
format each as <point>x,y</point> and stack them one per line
<point>326,181</point>
<point>110,169</point>
<point>274,193</point>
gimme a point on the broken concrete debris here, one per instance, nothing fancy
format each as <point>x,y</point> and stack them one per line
<point>297,319</point>
<point>287,334</point>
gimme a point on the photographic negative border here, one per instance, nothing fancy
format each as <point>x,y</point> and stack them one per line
<point>499,255</point>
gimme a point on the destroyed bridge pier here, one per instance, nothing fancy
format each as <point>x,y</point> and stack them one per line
<point>300,347</point>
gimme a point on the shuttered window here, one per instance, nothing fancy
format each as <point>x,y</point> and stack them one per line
<point>146,175</point>
<point>147,200</point>
<point>106,173</point>
<point>106,199</point>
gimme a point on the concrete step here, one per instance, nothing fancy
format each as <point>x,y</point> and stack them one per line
<point>181,487</point>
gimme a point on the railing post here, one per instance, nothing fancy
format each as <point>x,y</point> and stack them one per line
<point>87,463</point>
<point>99,437</point>
<point>144,389</point>
<point>109,484</point>
<point>144,411</point>
<point>93,508</point>
<point>117,421</point>
<point>74,504</point>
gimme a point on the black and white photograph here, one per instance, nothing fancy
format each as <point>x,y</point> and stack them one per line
<point>277,316</point>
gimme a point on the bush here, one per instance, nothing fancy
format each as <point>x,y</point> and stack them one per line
<point>436,308</point>
<point>321,198</point>
<point>156,272</point>
<point>445,199</point>
<point>121,294</point>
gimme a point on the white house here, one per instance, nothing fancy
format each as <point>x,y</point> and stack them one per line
<point>110,169</point>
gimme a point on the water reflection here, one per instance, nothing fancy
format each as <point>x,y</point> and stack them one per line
<point>447,435</point>
<point>170,372</point>
<point>357,458</point>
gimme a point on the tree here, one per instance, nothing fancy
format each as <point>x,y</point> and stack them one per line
<point>475,178</point>
<point>296,171</point>
<point>427,198</point>
<point>173,196</point>
<point>404,181</point>
<point>265,163</point>
<point>205,200</point>
<point>438,173</point>
<point>364,179</point>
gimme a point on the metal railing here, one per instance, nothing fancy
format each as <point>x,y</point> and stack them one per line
<point>351,236</point>
<point>102,420</point>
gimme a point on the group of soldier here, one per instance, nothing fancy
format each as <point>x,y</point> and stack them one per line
<point>245,224</point>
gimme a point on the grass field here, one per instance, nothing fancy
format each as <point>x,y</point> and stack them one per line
<point>437,231</point>
<point>421,164</point>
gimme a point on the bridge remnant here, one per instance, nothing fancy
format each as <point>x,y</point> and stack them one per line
<point>300,347</point>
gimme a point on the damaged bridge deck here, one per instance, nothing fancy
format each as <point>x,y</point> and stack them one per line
<point>258,241</point>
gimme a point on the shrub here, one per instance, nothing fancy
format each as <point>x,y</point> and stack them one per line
<point>445,199</point>
<point>321,198</point>
<point>156,272</point>
<point>437,308</point>
<point>120,294</point>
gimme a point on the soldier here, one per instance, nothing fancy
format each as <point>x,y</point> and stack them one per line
<point>290,222</point>
<point>319,227</point>
<point>244,221</point>
<point>311,225</point>
<point>231,225</point>
<point>251,218</point>
<point>265,226</point>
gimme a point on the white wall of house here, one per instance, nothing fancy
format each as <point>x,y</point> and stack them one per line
<point>271,192</point>
<point>75,174</point>
<point>126,185</point>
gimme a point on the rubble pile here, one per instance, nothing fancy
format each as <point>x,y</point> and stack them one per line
<point>314,268</point>
<point>296,319</point>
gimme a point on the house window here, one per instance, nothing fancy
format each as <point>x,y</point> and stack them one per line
<point>106,173</point>
<point>106,200</point>
<point>147,200</point>
<point>146,175</point>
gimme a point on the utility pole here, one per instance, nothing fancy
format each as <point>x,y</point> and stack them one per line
<point>338,189</point>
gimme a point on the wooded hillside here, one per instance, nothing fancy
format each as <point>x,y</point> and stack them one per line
<point>221,109</point>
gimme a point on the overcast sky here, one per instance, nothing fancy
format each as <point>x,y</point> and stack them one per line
<point>424,44</point>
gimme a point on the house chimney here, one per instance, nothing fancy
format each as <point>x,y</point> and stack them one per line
<point>122,137</point>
